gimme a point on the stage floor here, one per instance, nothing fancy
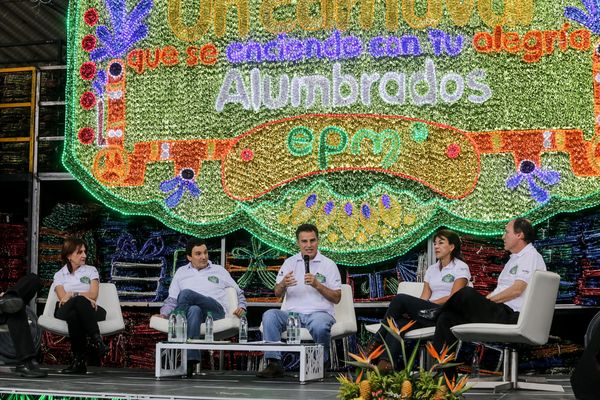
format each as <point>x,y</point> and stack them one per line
<point>141,384</point>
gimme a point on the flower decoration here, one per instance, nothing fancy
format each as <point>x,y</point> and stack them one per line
<point>86,135</point>
<point>328,207</point>
<point>529,172</point>
<point>99,83</point>
<point>87,70</point>
<point>442,357</point>
<point>365,359</point>
<point>247,155</point>
<point>453,150</point>
<point>91,16</point>
<point>182,183</point>
<point>88,43</point>
<point>398,331</point>
<point>87,100</point>
<point>311,200</point>
<point>127,29</point>
<point>419,132</point>
<point>591,20</point>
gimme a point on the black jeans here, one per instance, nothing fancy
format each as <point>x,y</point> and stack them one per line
<point>464,307</point>
<point>403,308</point>
<point>18,325</point>
<point>82,321</point>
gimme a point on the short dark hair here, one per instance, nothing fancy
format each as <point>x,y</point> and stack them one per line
<point>191,243</point>
<point>306,228</point>
<point>452,238</point>
<point>70,246</point>
<point>523,225</point>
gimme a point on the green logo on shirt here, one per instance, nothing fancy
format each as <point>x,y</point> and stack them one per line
<point>320,278</point>
<point>513,270</point>
<point>448,278</point>
<point>84,279</point>
<point>213,279</point>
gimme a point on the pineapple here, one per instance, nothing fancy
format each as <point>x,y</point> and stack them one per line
<point>440,394</point>
<point>406,391</point>
<point>365,390</point>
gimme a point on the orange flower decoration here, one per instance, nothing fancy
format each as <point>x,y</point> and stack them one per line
<point>441,358</point>
<point>394,327</point>
<point>363,358</point>
<point>456,387</point>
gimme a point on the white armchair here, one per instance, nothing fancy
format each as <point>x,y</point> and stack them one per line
<point>107,298</point>
<point>411,288</point>
<point>223,328</point>
<point>533,327</point>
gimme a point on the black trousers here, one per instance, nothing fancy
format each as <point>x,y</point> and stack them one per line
<point>403,308</point>
<point>467,306</point>
<point>18,325</point>
<point>82,320</point>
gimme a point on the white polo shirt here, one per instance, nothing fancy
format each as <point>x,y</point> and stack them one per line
<point>210,281</point>
<point>441,281</point>
<point>305,299</point>
<point>78,281</point>
<point>520,267</point>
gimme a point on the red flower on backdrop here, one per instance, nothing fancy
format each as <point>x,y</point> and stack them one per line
<point>453,150</point>
<point>91,17</point>
<point>247,155</point>
<point>86,135</point>
<point>88,43</point>
<point>87,70</point>
<point>87,100</point>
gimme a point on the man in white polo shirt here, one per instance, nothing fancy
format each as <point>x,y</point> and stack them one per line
<point>504,303</point>
<point>199,288</point>
<point>312,295</point>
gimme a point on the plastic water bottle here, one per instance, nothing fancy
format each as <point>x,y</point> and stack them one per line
<point>475,364</point>
<point>172,323</point>
<point>297,334</point>
<point>209,335</point>
<point>291,328</point>
<point>243,329</point>
<point>180,327</point>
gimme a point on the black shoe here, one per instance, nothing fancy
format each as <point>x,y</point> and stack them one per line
<point>191,367</point>
<point>273,370</point>
<point>78,367</point>
<point>431,314</point>
<point>99,344</point>
<point>31,369</point>
<point>10,304</point>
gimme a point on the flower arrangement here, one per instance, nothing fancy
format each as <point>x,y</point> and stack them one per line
<point>427,384</point>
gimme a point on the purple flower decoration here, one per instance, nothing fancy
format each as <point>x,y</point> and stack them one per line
<point>179,185</point>
<point>366,211</point>
<point>311,200</point>
<point>591,19</point>
<point>529,172</point>
<point>386,201</point>
<point>348,208</point>
<point>328,208</point>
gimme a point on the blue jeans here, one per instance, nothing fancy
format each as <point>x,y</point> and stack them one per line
<point>318,324</point>
<point>196,308</point>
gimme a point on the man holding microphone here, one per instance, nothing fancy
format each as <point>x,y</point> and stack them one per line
<point>312,285</point>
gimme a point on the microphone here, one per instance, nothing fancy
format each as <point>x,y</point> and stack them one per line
<point>306,266</point>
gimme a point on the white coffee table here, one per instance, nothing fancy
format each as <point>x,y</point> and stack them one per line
<point>171,359</point>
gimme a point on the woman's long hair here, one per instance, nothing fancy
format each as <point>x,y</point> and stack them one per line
<point>70,245</point>
<point>452,238</point>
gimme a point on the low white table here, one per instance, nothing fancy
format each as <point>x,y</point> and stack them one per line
<point>171,357</point>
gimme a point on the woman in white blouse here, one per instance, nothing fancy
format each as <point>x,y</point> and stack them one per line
<point>76,285</point>
<point>442,279</point>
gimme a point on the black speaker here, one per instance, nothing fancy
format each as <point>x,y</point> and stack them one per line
<point>585,379</point>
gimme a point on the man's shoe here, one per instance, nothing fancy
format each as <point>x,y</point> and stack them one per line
<point>431,314</point>
<point>191,367</point>
<point>273,370</point>
<point>31,369</point>
<point>10,304</point>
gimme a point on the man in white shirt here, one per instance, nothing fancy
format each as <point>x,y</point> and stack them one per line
<point>311,295</point>
<point>199,288</point>
<point>504,303</point>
